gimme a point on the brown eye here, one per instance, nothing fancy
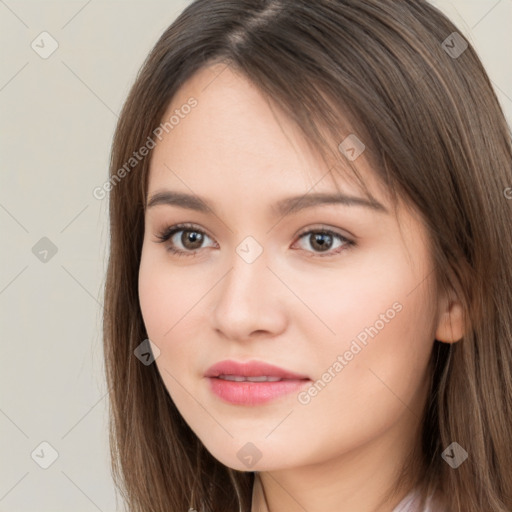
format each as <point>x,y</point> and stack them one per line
<point>184,240</point>
<point>194,238</point>
<point>322,241</point>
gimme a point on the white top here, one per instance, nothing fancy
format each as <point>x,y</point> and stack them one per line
<point>408,504</point>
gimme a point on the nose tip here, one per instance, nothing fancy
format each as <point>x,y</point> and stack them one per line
<point>245,304</point>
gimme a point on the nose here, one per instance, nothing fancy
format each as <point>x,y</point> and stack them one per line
<point>249,301</point>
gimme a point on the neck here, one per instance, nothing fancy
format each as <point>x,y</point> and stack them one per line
<point>363,479</point>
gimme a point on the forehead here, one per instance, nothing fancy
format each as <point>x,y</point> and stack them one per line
<point>235,138</point>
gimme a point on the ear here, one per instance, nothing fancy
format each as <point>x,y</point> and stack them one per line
<point>450,322</point>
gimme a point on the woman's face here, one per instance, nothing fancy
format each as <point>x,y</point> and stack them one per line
<point>335,294</point>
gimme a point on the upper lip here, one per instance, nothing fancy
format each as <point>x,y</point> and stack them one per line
<point>251,369</point>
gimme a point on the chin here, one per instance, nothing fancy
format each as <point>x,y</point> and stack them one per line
<point>249,456</point>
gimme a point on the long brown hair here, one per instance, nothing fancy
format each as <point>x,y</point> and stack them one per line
<point>394,73</point>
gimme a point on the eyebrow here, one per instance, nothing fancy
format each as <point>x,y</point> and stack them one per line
<point>282,207</point>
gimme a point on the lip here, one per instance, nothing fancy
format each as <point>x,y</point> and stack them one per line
<point>252,393</point>
<point>251,369</point>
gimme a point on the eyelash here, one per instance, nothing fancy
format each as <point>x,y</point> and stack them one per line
<point>169,231</point>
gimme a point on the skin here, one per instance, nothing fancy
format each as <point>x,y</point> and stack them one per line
<point>291,307</point>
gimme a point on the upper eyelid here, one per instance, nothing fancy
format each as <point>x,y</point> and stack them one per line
<point>176,228</point>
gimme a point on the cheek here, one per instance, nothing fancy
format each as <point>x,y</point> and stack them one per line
<point>369,288</point>
<point>166,294</point>
<point>382,318</point>
<point>153,298</point>
<point>362,388</point>
<point>172,300</point>
<point>164,301</point>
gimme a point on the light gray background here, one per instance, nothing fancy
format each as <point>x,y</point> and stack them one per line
<point>57,119</point>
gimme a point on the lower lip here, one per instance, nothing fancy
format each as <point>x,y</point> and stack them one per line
<point>252,393</point>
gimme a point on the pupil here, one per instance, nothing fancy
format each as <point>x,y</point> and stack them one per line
<point>193,237</point>
<point>319,238</point>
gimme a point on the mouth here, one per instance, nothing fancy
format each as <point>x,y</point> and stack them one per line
<point>252,383</point>
<point>241,378</point>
